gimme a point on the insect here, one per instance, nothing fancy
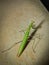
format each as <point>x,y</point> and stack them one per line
<point>24,41</point>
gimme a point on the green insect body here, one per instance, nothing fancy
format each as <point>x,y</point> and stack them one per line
<point>25,39</point>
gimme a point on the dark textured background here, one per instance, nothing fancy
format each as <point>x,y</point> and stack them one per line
<point>46,4</point>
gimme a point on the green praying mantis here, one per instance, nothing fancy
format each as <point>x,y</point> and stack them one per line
<point>25,39</point>
<point>22,46</point>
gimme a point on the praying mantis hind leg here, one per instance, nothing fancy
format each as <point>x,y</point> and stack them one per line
<point>39,37</point>
<point>6,50</point>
